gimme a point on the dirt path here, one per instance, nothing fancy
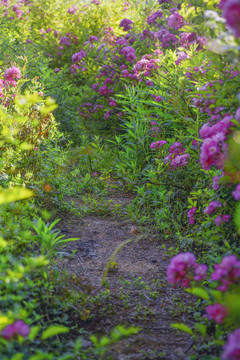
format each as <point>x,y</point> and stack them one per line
<point>140,293</point>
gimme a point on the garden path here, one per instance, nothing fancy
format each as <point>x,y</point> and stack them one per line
<point>140,295</point>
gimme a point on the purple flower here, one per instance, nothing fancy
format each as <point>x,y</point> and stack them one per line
<point>237,115</point>
<point>227,272</point>
<point>181,56</point>
<point>215,183</point>
<point>231,350</point>
<point>190,215</point>
<point>231,12</point>
<point>126,24</point>
<point>220,219</point>
<point>200,272</point>
<point>72,10</point>
<point>236,192</point>
<point>180,268</point>
<point>12,74</point>
<point>216,312</point>
<point>158,144</point>
<point>17,328</point>
<point>175,21</point>
<point>77,57</point>
<point>180,160</point>
<point>64,40</point>
<point>212,206</point>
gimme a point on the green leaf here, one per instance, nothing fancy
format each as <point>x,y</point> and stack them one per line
<point>200,292</point>
<point>201,328</point>
<point>34,332</point>
<point>14,194</point>
<point>183,327</point>
<point>54,330</point>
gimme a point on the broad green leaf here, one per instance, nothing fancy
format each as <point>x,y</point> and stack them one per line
<point>14,194</point>
<point>200,292</point>
<point>183,328</point>
<point>54,330</point>
<point>201,328</point>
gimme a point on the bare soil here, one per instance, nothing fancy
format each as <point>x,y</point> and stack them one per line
<point>137,283</point>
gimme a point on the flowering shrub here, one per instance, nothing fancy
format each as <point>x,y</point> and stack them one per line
<point>163,78</point>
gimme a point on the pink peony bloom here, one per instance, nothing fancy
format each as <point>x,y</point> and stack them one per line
<point>216,312</point>
<point>231,350</point>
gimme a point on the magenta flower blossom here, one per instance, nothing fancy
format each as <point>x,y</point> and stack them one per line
<point>181,56</point>
<point>126,24</point>
<point>212,206</point>
<point>220,219</point>
<point>180,160</point>
<point>237,115</point>
<point>231,12</point>
<point>231,350</point>
<point>77,57</point>
<point>180,268</point>
<point>72,10</point>
<point>152,19</point>
<point>236,192</point>
<point>14,330</point>
<point>175,21</point>
<point>216,312</point>
<point>215,183</point>
<point>183,268</point>
<point>227,272</point>
<point>191,214</point>
<point>64,40</point>
<point>158,144</point>
<point>200,272</point>
<point>11,74</point>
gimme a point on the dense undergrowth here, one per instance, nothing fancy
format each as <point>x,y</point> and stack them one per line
<point>147,100</point>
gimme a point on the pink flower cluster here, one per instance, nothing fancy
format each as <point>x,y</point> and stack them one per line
<point>231,12</point>
<point>216,312</point>
<point>183,269</point>
<point>231,349</point>
<point>167,39</point>
<point>214,148</point>
<point>128,52</point>
<point>152,19</point>
<point>12,74</point>
<point>191,214</point>
<point>236,193</point>
<point>18,328</point>
<point>72,10</point>
<point>126,24</point>
<point>77,57</point>
<point>158,144</point>
<point>212,206</point>
<point>181,56</point>
<point>177,156</point>
<point>227,272</point>
<point>176,21</point>
<point>146,65</point>
<point>220,219</point>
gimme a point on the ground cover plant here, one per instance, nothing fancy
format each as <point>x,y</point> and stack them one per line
<point>140,94</point>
